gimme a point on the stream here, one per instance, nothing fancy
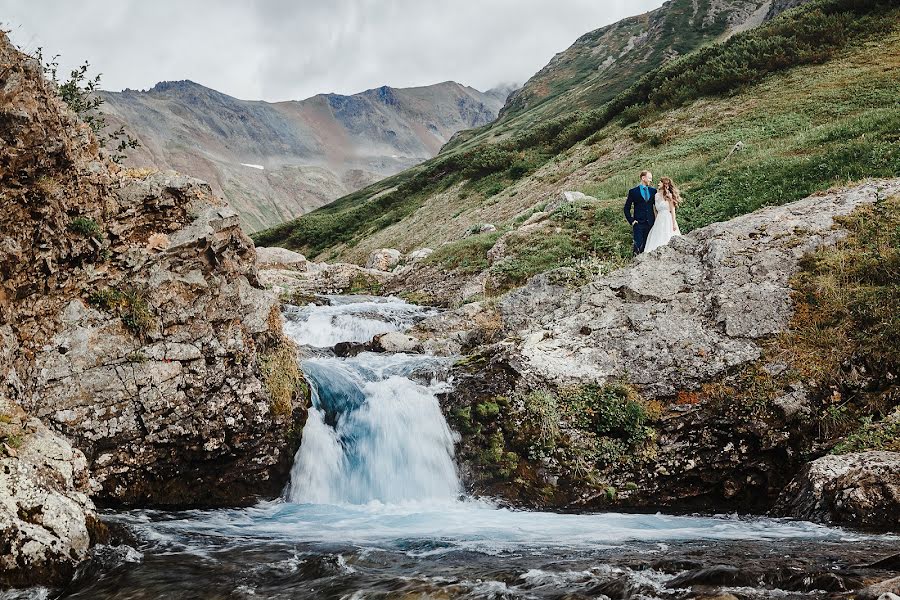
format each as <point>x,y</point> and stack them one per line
<point>375,509</point>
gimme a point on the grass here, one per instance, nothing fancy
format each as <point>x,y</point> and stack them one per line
<point>282,378</point>
<point>821,110</point>
<point>468,255</point>
<point>129,304</point>
<point>843,343</point>
<point>84,226</point>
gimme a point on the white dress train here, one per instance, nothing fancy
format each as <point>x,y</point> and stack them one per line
<point>662,230</point>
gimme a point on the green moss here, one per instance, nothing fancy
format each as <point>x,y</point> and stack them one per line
<point>283,380</point>
<point>487,410</point>
<point>611,493</point>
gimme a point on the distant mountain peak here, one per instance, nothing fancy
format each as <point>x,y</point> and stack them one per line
<point>177,86</point>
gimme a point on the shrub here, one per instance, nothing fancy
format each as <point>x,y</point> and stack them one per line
<point>614,411</point>
<point>84,226</point>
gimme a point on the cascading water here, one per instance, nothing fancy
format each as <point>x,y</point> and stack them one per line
<point>373,510</point>
<point>373,432</point>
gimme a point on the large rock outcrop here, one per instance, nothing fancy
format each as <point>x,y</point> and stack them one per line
<point>861,488</point>
<point>132,323</point>
<point>685,328</point>
<point>686,313</point>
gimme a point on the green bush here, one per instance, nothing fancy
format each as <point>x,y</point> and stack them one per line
<point>614,411</point>
<point>84,226</point>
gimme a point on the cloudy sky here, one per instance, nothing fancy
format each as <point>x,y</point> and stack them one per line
<point>293,49</point>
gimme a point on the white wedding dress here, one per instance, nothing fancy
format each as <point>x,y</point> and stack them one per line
<point>662,230</point>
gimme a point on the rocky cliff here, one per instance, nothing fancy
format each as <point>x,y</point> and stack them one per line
<point>275,161</point>
<point>141,364</point>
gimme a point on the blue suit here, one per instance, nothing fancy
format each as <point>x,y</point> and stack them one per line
<point>640,209</point>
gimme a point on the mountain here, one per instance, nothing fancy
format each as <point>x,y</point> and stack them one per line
<point>604,62</point>
<point>275,161</point>
<point>788,89</point>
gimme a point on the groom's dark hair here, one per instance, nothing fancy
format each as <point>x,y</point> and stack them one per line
<point>644,173</point>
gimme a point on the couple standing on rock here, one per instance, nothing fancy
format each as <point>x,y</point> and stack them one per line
<point>651,213</point>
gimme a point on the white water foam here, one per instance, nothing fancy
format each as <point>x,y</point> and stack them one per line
<point>342,321</point>
<point>373,434</point>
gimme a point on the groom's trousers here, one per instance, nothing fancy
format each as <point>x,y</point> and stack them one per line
<point>640,231</point>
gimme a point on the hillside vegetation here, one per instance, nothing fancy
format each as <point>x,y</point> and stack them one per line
<point>812,94</point>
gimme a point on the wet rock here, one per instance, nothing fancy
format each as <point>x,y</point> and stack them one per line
<point>384,259</point>
<point>714,576</point>
<point>280,258</point>
<point>347,349</point>
<point>396,342</point>
<point>861,489</point>
<point>47,521</point>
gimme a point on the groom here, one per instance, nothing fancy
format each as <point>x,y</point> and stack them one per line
<point>639,210</point>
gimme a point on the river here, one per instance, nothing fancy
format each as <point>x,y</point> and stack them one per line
<point>375,509</point>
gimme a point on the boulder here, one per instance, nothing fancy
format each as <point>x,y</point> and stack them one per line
<point>170,356</point>
<point>280,258</point>
<point>323,279</point>
<point>47,521</point>
<point>417,255</point>
<point>861,489</point>
<point>497,252</point>
<point>483,228</point>
<point>535,218</point>
<point>888,589</point>
<point>384,259</point>
<point>132,322</point>
<point>395,342</point>
<point>567,197</point>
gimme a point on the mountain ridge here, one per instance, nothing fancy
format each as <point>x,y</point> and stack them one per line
<point>275,160</point>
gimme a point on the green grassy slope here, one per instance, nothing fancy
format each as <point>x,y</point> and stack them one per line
<point>812,94</point>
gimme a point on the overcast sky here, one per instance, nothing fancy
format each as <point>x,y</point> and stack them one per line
<point>290,50</point>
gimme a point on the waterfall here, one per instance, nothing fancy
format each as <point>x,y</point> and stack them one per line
<point>375,430</point>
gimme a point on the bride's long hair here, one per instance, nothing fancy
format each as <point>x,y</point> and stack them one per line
<point>670,191</point>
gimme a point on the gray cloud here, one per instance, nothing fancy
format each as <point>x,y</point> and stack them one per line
<point>283,49</point>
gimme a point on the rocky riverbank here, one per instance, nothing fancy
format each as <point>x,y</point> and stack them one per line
<point>687,363</point>
<point>669,383</point>
<point>141,364</point>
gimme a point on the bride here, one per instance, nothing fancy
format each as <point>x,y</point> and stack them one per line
<point>665,227</point>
